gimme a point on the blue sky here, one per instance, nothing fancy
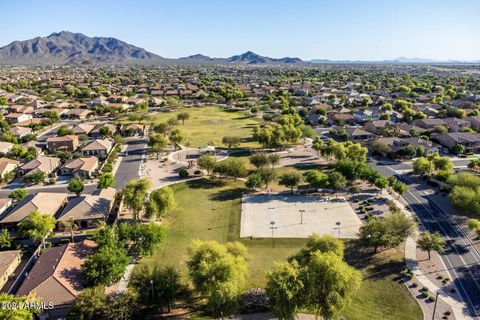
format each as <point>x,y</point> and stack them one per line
<point>341,29</point>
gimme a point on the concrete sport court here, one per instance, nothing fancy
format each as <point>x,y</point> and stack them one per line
<point>280,216</point>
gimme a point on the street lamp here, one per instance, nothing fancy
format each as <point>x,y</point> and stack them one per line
<point>338,223</point>
<point>272,223</point>
<point>435,306</point>
<point>153,295</point>
<point>301,215</point>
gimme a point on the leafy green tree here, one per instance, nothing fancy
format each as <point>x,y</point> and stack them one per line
<point>5,239</point>
<point>182,116</point>
<point>105,267</point>
<point>36,226</point>
<point>317,145</point>
<point>64,130</point>
<point>106,180</point>
<point>34,178</point>
<point>254,181</point>
<point>332,283</point>
<point>381,183</point>
<point>316,243</point>
<point>90,304</point>
<point>231,141</point>
<point>422,166</point>
<point>177,137</point>
<point>400,188</point>
<point>18,195</point>
<point>290,180</point>
<point>285,289</point>
<point>232,167</point>
<point>336,181</point>
<point>159,286</point>
<point>207,163</point>
<point>273,159</point>
<point>105,132</point>
<point>135,195</point>
<point>473,224</point>
<point>158,143</point>
<point>316,179</point>
<point>76,186</point>
<point>259,160</point>
<point>218,272</point>
<point>18,313</point>
<point>267,174</point>
<point>121,306</point>
<point>458,149</point>
<point>140,239</point>
<point>431,242</point>
<point>160,203</point>
<point>373,234</point>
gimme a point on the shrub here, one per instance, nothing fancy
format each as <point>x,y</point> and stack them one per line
<point>183,173</point>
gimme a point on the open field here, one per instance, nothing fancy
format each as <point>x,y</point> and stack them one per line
<point>297,216</point>
<point>212,123</point>
<point>210,211</point>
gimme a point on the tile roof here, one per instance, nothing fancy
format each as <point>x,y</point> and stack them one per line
<point>45,202</point>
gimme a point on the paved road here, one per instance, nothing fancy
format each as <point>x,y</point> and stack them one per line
<point>129,165</point>
<point>461,258</point>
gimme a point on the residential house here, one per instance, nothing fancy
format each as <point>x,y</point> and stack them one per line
<point>474,122</point>
<point>88,210</point>
<point>78,113</point>
<point>456,124</point>
<point>20,132</point>
<point>357,134</point>
<point>7,165</point>
<point>83,129</point>
<point>429,124</point>
<point>366,115</point>
<point>81,167</point>
<point>96,131</point>
<point>5,147</point>
<point>5,204</point>
<point>9,261</point>
<point>99,147</point>
<point>56,277</point>
<point>62,143</point>
<point>45,202</point>
<point>17,117</point>
<point>380,126</point>
<point>41,163</point>
<point>133,130</point>
<point>471,141</point>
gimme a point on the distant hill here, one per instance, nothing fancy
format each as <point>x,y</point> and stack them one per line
<point>400,60</point>
<point>74,48</point>
<point>253,58</point>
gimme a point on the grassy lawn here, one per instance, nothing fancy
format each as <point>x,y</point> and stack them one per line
<point>212,123</point>
<point>209,211</point>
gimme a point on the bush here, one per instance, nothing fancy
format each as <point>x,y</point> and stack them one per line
<point>183,173</point>
<point>425,294</point>
<point>431,298</point>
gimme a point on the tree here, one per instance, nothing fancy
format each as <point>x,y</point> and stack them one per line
<point>254,181</point>
<point>332,282</point>
<point>232,167</point>
<point>20,312</point>
<point>157,143</point>
<point>177,137</point>
<point>207,163</point>
<point>105,267</point>
<point>160,203</point>
<point>284,289</point>
<point>105,132</point>
<point>316,179</point>
<point>422,166</point>
<point>400,188</point>
<point>259,160</point>
<point>89,304</point>
<point>36,226</point>
<point>473,224</point>
<point>135,194</point>
<point>381,183</point>
<point>106,180</point>
<point>18,195</point>
<point>431,242</point>
<point>267,174</point>
<point>140,239</point>
<point>5,239</point>
<point>121,306</point>
<point>273,159</point>
<point>317,145</point>
<point>159,286</point>
<point>218,272</point>
<point>34,178</point>
<point>316,243</point>
<point>336,181</point>
<point>75,185</point>
<point>443,163</point>
<point>231,142</point>
<point>64,130</point>
<point>458,149</point>
<point>182,116</point>
<point>71,226</point>
<point>373,234</point>
<point>290,180</point>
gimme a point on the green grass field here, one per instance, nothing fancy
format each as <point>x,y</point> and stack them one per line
<point>212,123</point>
<point>208,211</point>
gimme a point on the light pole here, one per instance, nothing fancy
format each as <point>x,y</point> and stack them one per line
<point>301,215</point>
<point>153,295</point>
<point>435,306</point>
<point>272,226</point>
<point>338,223</point>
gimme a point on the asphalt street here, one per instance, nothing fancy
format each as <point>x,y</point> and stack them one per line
<point>130,164</point>
<point>461,258</point>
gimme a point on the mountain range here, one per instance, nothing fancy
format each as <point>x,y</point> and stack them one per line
<point>75,48</point>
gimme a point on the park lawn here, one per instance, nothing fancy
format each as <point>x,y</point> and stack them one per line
<point>208,124</point>
<point>209,211</point>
